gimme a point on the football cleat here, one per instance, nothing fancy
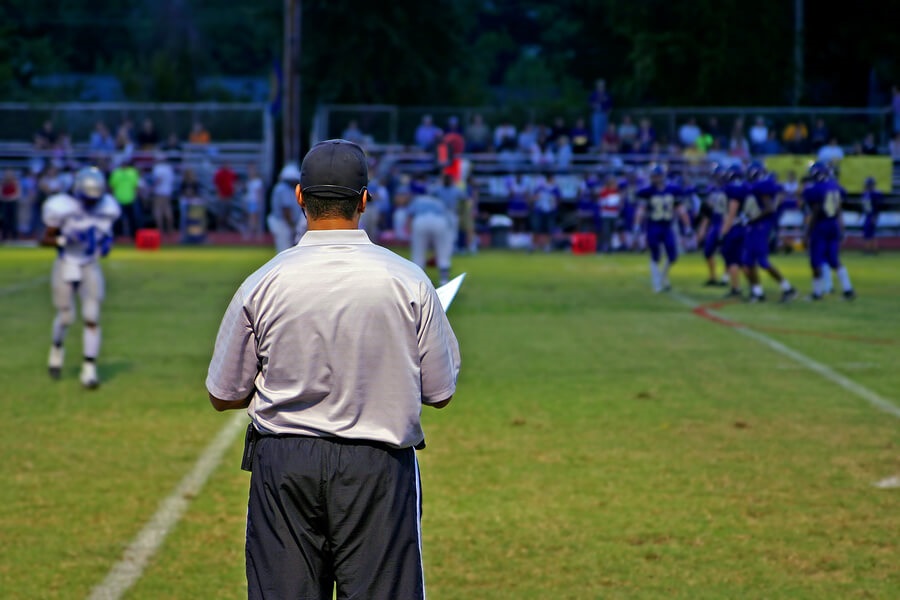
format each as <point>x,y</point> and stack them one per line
<point>788,295</point>
<point>55,361</point>
<point>815,297</point>
<point>756,298</point>
<point>733,293</point>
<point>711,283</point>
<point>89,376</point>
<point>849,295</point>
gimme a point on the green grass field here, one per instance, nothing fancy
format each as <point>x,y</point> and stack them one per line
<point>604,442</point>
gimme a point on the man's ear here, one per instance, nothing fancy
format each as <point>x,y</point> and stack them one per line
<point>363,201</point>
<point>298,191</point>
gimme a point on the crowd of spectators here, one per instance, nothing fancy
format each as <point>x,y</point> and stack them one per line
<point>146,175</point>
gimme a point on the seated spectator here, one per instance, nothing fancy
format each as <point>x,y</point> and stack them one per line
<point>427,134</point>
<point>505,137</point>
<point>646,136</point>
<point>771,145</point>
<point>869,147</point>
<point>125,136</point>
<point>795,137</point>
<point>738,146</point>
<point>477,135</point>
<point>716,154</point>
<point>558,129</point>
<point>688,133</point>
<point>715,130</point>
<point>819,135</point>
<point>199,135</point>
<point>563,152</point>
<point>580,137</point>
<point>894,147</point>
<point>628,132</point>
<point>172,147</point>
<point>147,138</point>
<point>759,133</point>
<point>831,152</point>
<point>101,141</point>
<point>46,137</point>
<point>527,138</point>
<point>352,133</point>
<point>609,143</point>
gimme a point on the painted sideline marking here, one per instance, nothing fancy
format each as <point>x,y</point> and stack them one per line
<point>817,367</point>
<point>134,560</point>
<point>23,285</point>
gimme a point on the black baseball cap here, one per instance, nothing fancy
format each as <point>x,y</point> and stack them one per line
<point>334,169</point>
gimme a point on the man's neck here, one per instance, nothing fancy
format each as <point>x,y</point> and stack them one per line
<point>332,224</point>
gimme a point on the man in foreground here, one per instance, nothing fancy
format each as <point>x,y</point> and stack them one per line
<point>334,346</point>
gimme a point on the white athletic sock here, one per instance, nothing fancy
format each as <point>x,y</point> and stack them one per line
<point>818,286</point>
<point>59,331</point>
<point>655,276</point>
<point>844,276</point>
<point>785,285</point>
<point>827,283</point>
<point>91,339</point>
<point>757,290</point>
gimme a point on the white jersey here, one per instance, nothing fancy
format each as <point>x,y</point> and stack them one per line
<point>88,231</point>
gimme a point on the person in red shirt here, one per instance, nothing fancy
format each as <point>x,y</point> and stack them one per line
<point>451,149</point>
<point>610,197</point>
<point>224,180</point>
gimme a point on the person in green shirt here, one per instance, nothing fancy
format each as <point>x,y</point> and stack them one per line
<point>125,182</point>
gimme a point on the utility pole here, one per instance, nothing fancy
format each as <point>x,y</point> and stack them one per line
<point>798,51</point>
<point>293,12</point>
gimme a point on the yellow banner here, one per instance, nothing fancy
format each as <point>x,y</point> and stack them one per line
<point>852,170</point>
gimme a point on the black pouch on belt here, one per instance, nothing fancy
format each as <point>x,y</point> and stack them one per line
<point>250,439</point>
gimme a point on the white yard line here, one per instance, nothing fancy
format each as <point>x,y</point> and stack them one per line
<point>825,371</point>
<point>134,560</point>
<point>8,290</point>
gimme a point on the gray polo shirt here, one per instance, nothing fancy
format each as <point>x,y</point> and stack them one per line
<point>339,337</point>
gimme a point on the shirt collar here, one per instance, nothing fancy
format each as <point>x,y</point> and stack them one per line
<point>333,237</point>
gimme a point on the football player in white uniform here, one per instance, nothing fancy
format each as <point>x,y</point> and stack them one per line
<point>79,226</point>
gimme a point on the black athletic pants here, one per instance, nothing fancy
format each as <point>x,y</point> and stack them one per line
<point>326,512</point>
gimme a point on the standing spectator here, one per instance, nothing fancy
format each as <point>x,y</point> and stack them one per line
<point>478,135</point>
<point>563,152</point>
<point>688,133</point>
<point>450,150</point>
<point>580,137</point>
<point>191,208</point>
<point>610,210</point>
<point>600,104</point>
<point>124,183</point>
<point>352,133</point>
<point>125,136</point>
<point>27,205</point>
<point>819,135</point>
<point>759,133</point>
<point>427,134</point>
<point>286,221</point>
<point>254,200</point>
<point>10,195</point>
<point>545,202</point>
<point>147,138</point>
<point>199,135</point>
<point>225,181</point>
<point>163,188</point>
<point>628,133</point>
